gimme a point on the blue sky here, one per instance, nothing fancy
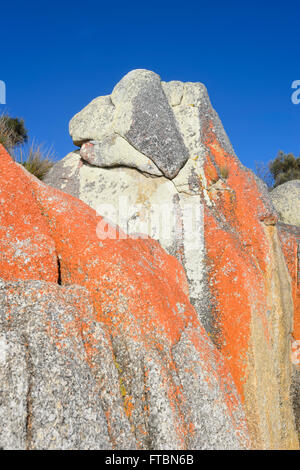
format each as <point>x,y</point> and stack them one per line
<point>58,56</point>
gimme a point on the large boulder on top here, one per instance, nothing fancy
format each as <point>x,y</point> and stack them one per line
<point>286,199</point>
<point>138,111</point>
<point>111,345</point>
<point>217,219</point>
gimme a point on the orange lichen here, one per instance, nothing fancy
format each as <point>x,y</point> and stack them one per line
<point>26,248</point>
<point>137,289</point>
<point>237,252</point>
<point>210,171</point>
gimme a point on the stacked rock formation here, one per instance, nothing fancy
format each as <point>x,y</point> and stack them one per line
<point>154,159</point>
<point>112,339</point>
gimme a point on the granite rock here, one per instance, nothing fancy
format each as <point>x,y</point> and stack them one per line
<point>286,199</point>
<point>218,220</point>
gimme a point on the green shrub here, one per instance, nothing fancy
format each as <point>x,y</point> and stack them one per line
<point>285,167</point>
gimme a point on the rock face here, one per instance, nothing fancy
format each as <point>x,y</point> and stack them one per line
<point>138,111</point>
<point>286,199</point>
<point>49,398</point>
<point>290,240</point>
<point>209,212</point>
<point>99,344</point>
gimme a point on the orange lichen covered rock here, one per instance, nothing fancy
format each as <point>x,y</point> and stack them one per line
<point>26,248</point>
<point>175,390</point>
<point>223,231</point>
<point>50,398</point>
<point>251,306</point>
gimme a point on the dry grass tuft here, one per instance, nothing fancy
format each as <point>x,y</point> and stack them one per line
<point>224,171</point>
<point>34,157</point>
<point>37,160</point>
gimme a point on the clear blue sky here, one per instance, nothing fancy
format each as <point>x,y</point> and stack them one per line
<point>57,56</point>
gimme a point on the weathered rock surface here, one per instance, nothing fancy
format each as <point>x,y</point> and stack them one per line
<point>26,248</point>
<point>49,397</point>
<point>114,151</point>
<point>216,217</point>
<point>124,355</point>
<point>286,200</point>
<point>138,111</point>
<point>290,241</point>
<point>94,122</point>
